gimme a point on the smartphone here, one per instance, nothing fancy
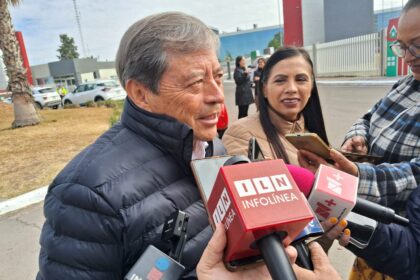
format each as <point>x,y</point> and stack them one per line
<point>254,150</point>
<point>205,172</point>
<point>310,142</point>
<point>313,143</point>
<point>355,157</point>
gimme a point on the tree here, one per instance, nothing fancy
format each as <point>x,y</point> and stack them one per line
<point>23,106</point>
<point>277,41</point>
<point>68,49</point>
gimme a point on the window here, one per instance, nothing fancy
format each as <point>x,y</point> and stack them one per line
<point>45,90</point>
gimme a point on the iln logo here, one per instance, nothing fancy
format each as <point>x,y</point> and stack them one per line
<point>262,185</point>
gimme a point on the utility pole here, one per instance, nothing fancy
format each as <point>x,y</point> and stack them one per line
<point>79,26</point>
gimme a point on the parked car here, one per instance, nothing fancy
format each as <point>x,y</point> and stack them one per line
<point>95,91</point>
<point>46,97</point>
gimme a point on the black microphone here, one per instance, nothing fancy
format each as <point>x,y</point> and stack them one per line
<point>155,264</point>
<point>378,212</point>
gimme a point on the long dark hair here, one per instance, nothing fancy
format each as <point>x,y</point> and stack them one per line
<point>237,60</point>
<point>312,112</point>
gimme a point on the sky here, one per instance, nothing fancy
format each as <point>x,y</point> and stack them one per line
<point>104,22</point>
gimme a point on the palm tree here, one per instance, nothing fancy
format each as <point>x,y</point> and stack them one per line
<point>23,106</point>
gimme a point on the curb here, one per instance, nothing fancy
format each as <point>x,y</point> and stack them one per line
<point>357,82</point>
<point>23,200</point>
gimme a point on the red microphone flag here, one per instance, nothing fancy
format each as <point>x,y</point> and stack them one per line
<point>256,199</point>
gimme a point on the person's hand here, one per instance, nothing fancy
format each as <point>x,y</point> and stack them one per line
<point>211,264</point>
<point>356,144</point>
<point>343,164</point>
<point>310,160</point>
<point>256,78</point>
<point>322,266</point>
<point>335,229</point>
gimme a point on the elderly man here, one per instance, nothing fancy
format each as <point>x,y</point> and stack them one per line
<point>110,202</point>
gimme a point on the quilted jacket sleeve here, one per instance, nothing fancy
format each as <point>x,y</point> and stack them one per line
<point>81,237</point>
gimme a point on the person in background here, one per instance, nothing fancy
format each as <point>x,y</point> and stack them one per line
<point>243,92</point>
<point>389,130</point>
<point>288,103</point>
<point>110,202</point>
<point>257,74</point>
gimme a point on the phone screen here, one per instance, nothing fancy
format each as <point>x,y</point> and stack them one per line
<point>205,173</point>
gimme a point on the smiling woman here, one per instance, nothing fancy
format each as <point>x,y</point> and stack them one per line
<point>289,103</point>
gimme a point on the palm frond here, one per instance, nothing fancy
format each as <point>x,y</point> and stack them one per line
<point>14,2</point>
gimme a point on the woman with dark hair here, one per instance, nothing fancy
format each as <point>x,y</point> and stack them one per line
<point>243,93</point>
<point>288,103</point>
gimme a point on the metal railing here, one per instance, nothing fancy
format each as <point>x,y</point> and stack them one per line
<point>357,56</point>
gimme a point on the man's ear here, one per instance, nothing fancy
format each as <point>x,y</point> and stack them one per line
<point>138,93</point>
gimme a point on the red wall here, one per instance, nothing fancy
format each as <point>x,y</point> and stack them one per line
<point>292,14</point>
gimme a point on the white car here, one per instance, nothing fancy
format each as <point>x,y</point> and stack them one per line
<point>95,91</point>
<point>46,97</point>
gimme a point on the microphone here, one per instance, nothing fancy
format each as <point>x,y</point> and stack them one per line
<point>313,229</point>
<point>261,209</point>
<point>334,193</point>
<point>378,212</point>
<point>155,264</point>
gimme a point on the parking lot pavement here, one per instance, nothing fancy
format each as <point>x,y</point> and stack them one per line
<point>19,242</point>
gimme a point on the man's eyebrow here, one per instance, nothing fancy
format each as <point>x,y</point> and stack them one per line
<point>218,69</point>
<point>194,74</point>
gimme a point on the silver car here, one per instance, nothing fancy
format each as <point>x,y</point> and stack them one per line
<point>99,90</point>
<point>46,97</point>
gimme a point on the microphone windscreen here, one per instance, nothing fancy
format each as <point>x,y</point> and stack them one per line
<point>304,178</point>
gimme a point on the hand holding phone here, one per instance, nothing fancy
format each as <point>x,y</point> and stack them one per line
<point>314,144</point>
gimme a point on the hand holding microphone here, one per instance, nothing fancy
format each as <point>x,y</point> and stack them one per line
<point>211,264</point>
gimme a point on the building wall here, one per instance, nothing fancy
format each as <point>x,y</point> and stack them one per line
<point>87,77</point>
<point>345,19</point>
<point>382,18</point>
<point>41,75</point>
<point>85,65</point>
<point>40,71</point>
<point>62,68</point>
<point>108,74</point>
<point>313,22</point>
<point>243,42</point>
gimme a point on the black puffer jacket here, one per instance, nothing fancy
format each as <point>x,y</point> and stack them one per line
<point>243,92</point>
<point>109,203</point>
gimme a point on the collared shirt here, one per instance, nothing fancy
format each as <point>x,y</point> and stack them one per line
<point>199,150</point>
<point>392,130</point>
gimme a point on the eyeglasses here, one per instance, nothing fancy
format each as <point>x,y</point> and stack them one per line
<point>400,51</point>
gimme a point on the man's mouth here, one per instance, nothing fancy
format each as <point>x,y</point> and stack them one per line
<point>210,119</point>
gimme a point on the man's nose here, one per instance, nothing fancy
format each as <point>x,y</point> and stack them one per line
<point>215,93</point>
